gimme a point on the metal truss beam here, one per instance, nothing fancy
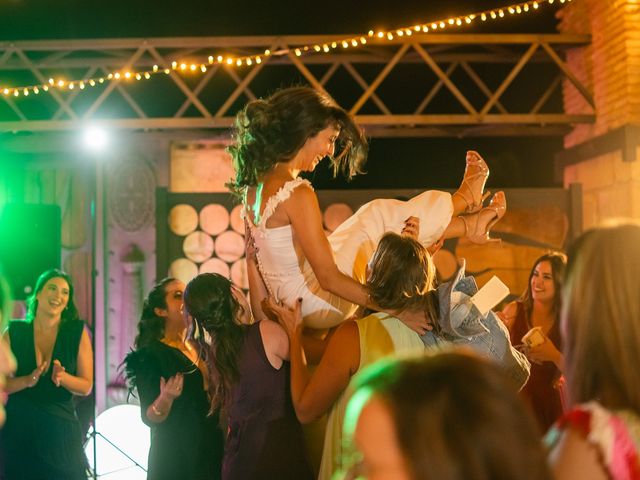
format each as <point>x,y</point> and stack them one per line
<point>455,84</point>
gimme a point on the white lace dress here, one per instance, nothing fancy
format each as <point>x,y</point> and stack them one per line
<point>353,243</point>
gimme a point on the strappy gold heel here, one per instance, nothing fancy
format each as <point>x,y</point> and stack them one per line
<point>476,173</point>
<point>478,233</point>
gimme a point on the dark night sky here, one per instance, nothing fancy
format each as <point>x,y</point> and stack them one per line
<point>430,162</point>
<point>46,19</point>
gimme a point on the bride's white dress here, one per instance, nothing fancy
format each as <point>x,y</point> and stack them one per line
<point>288,277</point>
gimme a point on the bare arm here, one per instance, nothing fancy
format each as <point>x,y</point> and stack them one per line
<point>313,394</point>
<point>314,346</point>
<point>306,221</point>
<point>160,408</point>
<point>82,382</point>
<point>508,314</point>
<point>275,341</point>
<point>574,457</point>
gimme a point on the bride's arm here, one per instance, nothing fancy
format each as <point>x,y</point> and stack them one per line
<point>306,221</point>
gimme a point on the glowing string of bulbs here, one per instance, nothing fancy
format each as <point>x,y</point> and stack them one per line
<point>249,60</point>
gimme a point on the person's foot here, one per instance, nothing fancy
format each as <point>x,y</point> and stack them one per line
<point>471,189</point>
<point>478,226</point>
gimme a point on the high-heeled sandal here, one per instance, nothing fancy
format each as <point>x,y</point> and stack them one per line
<point>478,233</point>
<point>470,195</point>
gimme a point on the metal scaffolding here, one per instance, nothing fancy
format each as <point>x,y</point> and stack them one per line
<point>419,85</point>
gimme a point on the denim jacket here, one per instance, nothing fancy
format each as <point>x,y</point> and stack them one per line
<point>461,323</point>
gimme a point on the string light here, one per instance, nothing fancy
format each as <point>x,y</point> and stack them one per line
<point>249,60</point>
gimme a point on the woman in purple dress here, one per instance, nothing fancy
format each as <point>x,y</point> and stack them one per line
<point>249,381</point>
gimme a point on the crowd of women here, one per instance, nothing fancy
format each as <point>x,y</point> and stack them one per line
<point>413,381</point>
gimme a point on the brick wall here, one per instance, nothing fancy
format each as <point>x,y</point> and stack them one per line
<point>610,68</point>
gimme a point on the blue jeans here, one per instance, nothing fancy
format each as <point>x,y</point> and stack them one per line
<point>461,323</point>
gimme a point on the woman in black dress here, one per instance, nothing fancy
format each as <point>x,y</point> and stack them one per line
<point>171,379</point>
<point>42,437</point>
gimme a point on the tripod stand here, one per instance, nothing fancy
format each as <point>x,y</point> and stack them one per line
<point>121,443</point>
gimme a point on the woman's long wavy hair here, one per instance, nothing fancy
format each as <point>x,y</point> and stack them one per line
<point>600,320</point>
<point>273,130</point>
<point>558,262</point>
<point>210,302</point>
<point>151,325</point>
<point>403,276</point>
<point>69,313</point>
<point>150,328</point>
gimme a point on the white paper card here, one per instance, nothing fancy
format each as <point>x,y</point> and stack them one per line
<point>492,293</point>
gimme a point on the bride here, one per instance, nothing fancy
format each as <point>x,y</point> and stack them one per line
<point>290,132</point>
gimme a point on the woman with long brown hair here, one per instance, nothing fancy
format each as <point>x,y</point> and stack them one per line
<point>599,438</point>
<point>539,307</point>
<point>248,382</point>
<point>42,437</point>
<point>167,370</point>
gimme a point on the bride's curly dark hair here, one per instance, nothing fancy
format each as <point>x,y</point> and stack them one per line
<point>273,130</point>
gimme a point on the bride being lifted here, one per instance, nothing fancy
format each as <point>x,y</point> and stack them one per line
<point>290,132</point>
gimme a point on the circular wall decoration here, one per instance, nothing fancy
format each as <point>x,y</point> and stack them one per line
<point>237,223</point>
<point>132,195</point>
<point>215,265</point>
<point>214,219</point>
<point>198,246</point>
<point>335,214</point>
<point>183,219</point>
<point>183,269</point>
<point>229,246</point>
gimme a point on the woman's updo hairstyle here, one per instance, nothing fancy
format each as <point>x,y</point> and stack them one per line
<point>273,130</point>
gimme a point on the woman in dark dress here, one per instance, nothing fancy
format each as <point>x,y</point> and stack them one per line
<point>249,371</point>
<point>42,437</point>
<point>539,306</point>
<point>171,378</point>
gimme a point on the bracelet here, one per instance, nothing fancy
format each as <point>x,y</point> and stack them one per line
<point>155,410</point>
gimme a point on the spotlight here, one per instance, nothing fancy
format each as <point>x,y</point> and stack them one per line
<point>95,138</point>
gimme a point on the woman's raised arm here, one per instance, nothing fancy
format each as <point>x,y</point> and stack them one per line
<point>314,393</point>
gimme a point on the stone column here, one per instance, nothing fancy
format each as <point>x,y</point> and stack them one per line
<point>123,328</point>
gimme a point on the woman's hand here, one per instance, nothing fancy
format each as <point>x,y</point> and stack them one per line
<point>417,321</point>
<point>34,376</point>
<point>545,352</point>
<point>289,318</point>
<point>58,373</point>
<point>411,228</point>
<point>172,388</point>
<point>433,248</point>
<point>250,248</point>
